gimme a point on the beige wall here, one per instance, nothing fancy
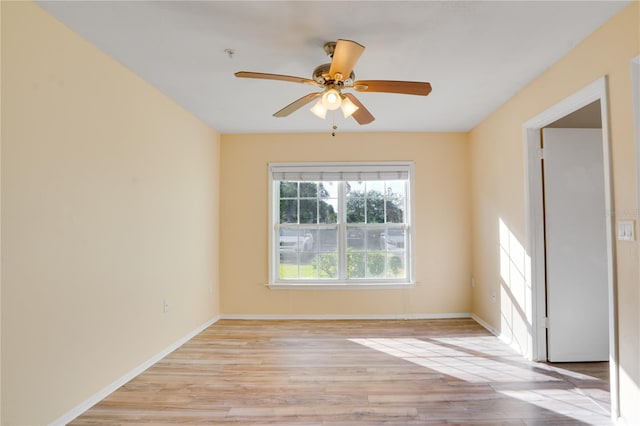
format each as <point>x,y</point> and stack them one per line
<point>109,206</point>
<point>497,189</point>
<point>442,223</point>
<point>0,215</point>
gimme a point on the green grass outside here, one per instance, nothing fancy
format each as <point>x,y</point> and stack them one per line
<point>307,271</point>
<point>290,271</point>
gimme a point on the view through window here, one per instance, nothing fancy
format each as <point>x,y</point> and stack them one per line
<point>341,223</point>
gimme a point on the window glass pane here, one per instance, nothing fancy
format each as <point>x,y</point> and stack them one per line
<point>289,241</point>
<point>375,239</point>
<point>328,189</point>
<point>288,211</point>
<point>393,239</point>
<point>355,239</point>
<point>355,188</point>
<point>308,211</point>
<point>395,210</point>
<point>355,210</point>
<point>328,210</point>
<point>307,245</point>
<point>296,253</point>
<point>395,265</point>
<point>355,264</point>
<point>376,264</point>
<point>288,189</point>
<point>288,269</point>
<point>375,189</point>
<point>326,265</point>
<point>308,189</point>
<point>307,241</point>
<point>325,260</point>
<point>327,240</point>
<point>395,188</point>
<point>375,210</point>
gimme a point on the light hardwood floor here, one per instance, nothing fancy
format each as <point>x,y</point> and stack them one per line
<point>413,372</point>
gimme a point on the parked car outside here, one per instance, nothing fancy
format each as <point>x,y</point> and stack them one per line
<point>293,240</point>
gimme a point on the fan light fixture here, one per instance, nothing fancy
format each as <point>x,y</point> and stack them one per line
<point>348,107</point>
<point>319,110</point>
<point>331,100</point>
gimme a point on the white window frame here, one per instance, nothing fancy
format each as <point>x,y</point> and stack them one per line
<point>325,169</point>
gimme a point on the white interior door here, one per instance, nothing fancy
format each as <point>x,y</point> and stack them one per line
<point>576,256</point>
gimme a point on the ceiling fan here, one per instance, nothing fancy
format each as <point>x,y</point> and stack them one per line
<point>337,76</point>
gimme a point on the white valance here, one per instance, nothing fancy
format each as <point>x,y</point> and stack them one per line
<point>340,172</point>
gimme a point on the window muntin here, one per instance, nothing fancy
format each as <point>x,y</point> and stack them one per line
<point>336,225</point>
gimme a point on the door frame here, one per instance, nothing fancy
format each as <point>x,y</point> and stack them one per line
<point>635,90</point>
<point>534,223</point>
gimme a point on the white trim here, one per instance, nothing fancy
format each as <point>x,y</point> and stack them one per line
<point>109,389</point>
<point>635,90</point>
<point>410,256</point>
<point>535,233</point>
<point>273,200</point>
<point>486,325</point>
<point>583,97</point>
<point>534,241</point>
<point>506,339</point>
<point>265,317</point>
<point>340,171</point>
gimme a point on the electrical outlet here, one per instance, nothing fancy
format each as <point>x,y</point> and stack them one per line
<point>165,306</point>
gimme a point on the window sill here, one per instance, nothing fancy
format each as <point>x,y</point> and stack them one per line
<point>341,286</point>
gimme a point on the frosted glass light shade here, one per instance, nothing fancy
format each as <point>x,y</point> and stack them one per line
<point>319,110</point>
<point>331,99</point>
<point>348,107</point>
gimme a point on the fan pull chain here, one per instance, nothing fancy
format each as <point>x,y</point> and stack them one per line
<point>334,127</point>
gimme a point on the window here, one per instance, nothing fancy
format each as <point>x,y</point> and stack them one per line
<point>341,223</point>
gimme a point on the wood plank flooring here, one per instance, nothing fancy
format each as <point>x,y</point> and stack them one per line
<point>351,373</point>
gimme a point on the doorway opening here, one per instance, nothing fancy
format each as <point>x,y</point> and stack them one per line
<point>575,237</point>
<point>579,106</point>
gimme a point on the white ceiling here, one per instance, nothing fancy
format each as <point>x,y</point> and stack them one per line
<point>476,54</point>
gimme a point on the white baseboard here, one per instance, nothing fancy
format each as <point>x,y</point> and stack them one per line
<point>99,396</point>
<point>345,317</point>
<point>486,325</point>
<point>504,338</point>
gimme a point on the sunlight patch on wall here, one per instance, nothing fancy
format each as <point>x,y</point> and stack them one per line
<point>515,291</point>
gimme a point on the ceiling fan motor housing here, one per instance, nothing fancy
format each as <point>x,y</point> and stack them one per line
<point>321,75</point>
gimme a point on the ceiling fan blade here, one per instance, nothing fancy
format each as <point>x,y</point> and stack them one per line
<point>391,86</point>
<point>345,56</point>
<point>265,76</point>
<point>362,115</point>
<point>297,104</point>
